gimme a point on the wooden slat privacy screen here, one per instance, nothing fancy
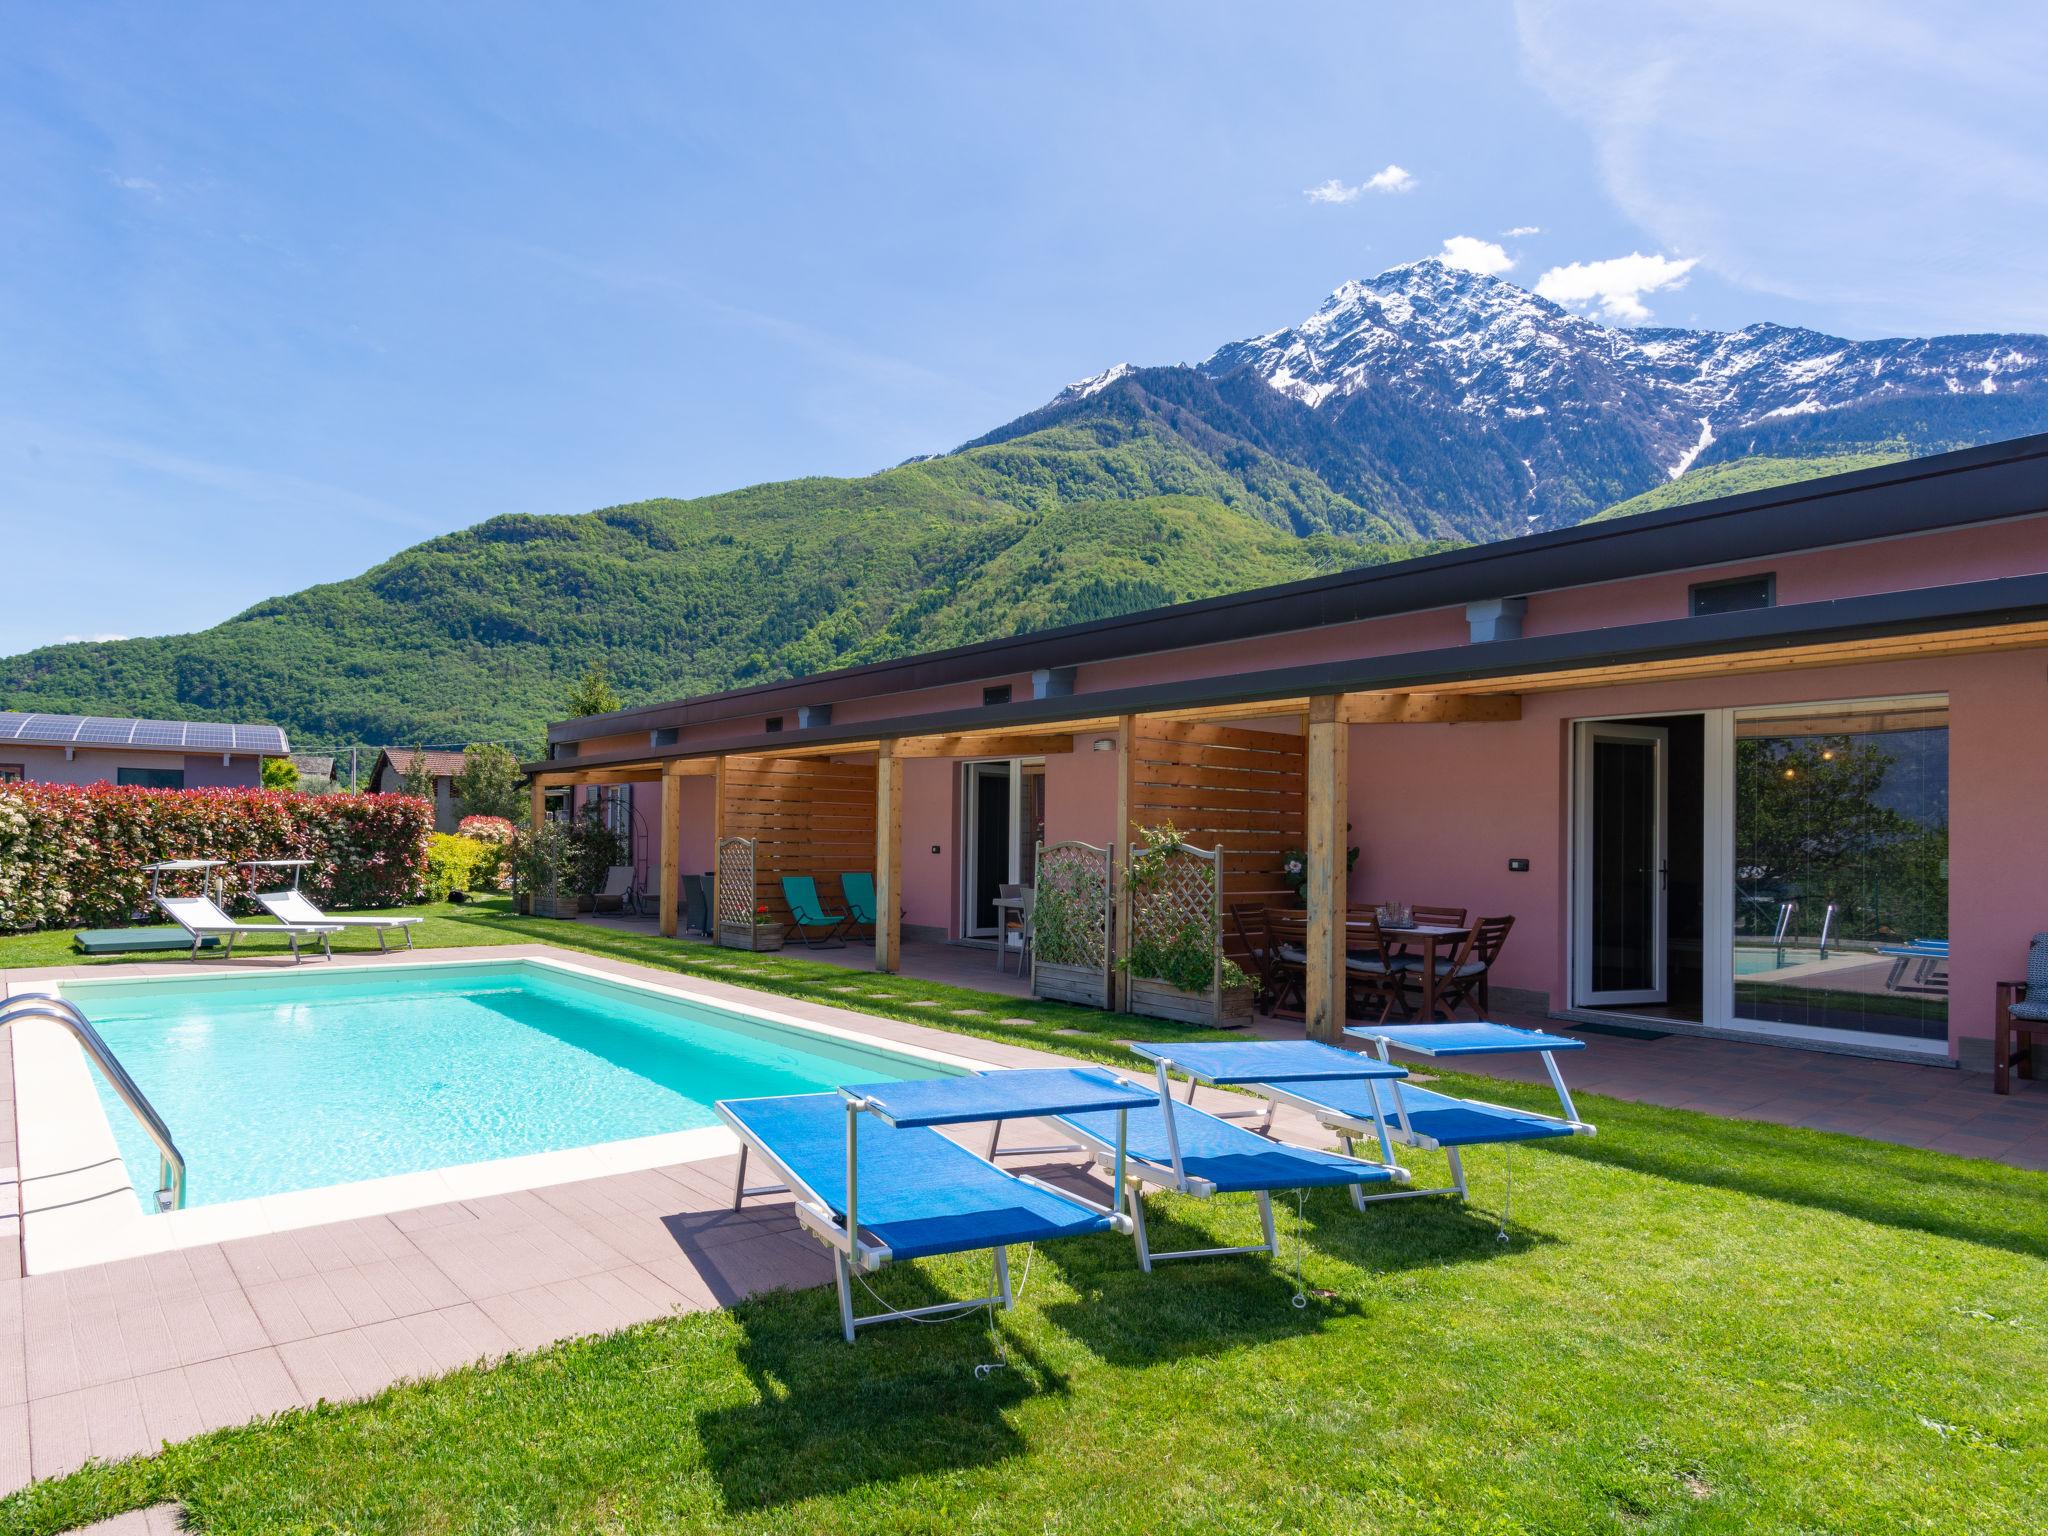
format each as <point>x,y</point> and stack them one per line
<point>807,816</point>
<point>1230,787</point>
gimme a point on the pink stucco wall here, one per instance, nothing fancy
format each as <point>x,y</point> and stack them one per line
<point>1438,810</point>
<point>931,818</point>
<point>47,765</point>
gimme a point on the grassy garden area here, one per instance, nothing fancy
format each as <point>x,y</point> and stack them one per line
<point>1696,1325</point>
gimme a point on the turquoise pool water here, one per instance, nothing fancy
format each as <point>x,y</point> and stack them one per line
<point>292,1081</point>
<point>1748,962</point>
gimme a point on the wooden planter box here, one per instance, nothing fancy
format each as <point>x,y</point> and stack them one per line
<point>1087,985</point>
<point>1156,1000</point>
<point>553,904</point>
<point>755,936</point>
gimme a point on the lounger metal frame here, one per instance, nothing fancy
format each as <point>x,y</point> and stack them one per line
<point>1135,1172</point>
<point>851,1254</point>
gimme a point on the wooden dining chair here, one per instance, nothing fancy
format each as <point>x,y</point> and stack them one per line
<point>1287,944</point>
<point>1371,969</point>
<point>1249,919</point>
<point>1440,917</point>
<point>1466,972</point>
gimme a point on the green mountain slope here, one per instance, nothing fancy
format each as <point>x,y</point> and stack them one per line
<point>1745,475</point>
<point>478,634</point>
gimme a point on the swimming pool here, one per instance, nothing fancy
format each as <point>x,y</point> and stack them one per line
<point>280,1082</point>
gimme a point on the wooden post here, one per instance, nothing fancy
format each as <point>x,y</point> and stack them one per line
<point>1119,861</point>
<point>717,837</point>
<point>671,849</point>
<point>540,805</point>
<point>888,858</point>
<point>1329,742</point>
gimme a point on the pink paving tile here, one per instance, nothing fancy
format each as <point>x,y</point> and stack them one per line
<point>632,1300</point>
<point>59,1441</point>
<point>236,1322</point>
<point>409,1283</point>
<point>14,1447</point>
<point>170,1408</point>
<point>266,1382</point>
<point>401,1350</point>
<point>339,1367</point>
<point>480,1338</point>
<point>147,1337</point>
<point>431,1217</point>
<point>363,1302</point>
<point>530,1319</point>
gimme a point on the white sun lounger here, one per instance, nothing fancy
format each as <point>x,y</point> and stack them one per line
<point>201,916</point>
<point>875,1182</point>
<point>296,907</point>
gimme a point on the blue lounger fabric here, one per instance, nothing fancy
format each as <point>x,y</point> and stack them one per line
<point>920,1194</point>
<point>1270,1061</point>
<point>1002,1095</point>
<point>1229,1156</point>
<point>1447,1121</point>
<point>1476,1039</point>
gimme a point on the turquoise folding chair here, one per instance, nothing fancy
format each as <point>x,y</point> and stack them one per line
<point>859,890</point>
<point>807,912</point>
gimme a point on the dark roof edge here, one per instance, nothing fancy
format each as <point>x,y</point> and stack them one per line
<point>1913,496</point>
<point>1930,610</point>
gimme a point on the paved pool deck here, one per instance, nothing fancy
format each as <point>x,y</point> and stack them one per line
<point>112,1360</point>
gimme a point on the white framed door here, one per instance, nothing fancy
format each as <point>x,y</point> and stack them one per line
<point>1621,866</point>
<point>989,803</point>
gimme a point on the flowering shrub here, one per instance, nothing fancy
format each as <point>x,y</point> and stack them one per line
<point>73,855</point>
<point>489,829</point>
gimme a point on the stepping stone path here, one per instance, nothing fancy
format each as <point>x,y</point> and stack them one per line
<point>969,1013</point>
<point>1070,1031</point>
<point>1019,1023</point>
<point>925,1002</point>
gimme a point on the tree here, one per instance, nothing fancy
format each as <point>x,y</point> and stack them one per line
<point>593,694</point>
<point>419,776</point>
<point>490,782</point>
<point>280,773</point>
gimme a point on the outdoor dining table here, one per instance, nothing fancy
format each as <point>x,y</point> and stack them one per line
<point>1431,938</point>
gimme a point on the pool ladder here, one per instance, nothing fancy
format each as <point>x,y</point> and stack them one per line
<point>170,1195</point>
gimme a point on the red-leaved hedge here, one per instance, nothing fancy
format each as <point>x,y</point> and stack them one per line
<point>73,855</point>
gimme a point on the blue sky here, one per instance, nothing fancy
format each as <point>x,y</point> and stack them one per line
<point>286,289</point>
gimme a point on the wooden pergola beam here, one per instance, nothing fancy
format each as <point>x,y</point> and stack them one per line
<point>995,744</point>
<point>888,860</point>
<point>1427,708</point>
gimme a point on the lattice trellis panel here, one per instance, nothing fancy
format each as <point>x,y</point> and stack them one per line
<point>1070,914</point>
<point>734,890</point>
<point>805,816</point>
<point>1226,786</point>
<point>1178,889</point>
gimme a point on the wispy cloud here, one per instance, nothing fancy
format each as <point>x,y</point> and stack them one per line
<point>1881,155</point>
<point>1520,230</point>
<point>76,639</point>
<point>1335,190</point>
<point>1469,253</point>
<point>141,186</point>
<point>1615,287</point>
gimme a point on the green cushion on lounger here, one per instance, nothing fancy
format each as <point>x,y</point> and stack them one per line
<point>121,941</point>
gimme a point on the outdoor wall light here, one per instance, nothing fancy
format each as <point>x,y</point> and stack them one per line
<point>1105,743</point>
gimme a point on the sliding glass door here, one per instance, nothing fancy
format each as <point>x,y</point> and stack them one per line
<point>1840,868</point>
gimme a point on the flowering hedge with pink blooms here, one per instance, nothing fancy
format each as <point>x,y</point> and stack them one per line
<point>72,855</point>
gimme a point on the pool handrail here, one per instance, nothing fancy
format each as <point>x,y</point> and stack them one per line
<point>170,1195</point>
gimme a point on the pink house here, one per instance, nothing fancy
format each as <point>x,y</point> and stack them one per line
<point>1771,765</point>
<point>154,754</point>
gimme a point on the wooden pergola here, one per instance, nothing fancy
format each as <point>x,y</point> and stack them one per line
<point>1213,770</point>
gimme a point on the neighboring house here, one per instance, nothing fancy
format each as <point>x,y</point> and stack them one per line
<point>316,771</point>
<point>1745,766</point>
<point>152,754</point>
<point>388,778</point>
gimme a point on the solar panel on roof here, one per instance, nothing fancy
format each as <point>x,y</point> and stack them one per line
<point>259,738</point>
<point>212,738</point>
<point>104,732</point>
<point>10,726</point>
<point>159,733</point>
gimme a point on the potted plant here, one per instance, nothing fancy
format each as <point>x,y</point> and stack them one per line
<point>763,933</point>
<point>1176,967</point>
<point>1294,867</point>
<point>1070,924</point>
<point>542,869</point>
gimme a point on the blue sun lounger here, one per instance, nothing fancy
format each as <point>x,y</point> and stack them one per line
<point>1193,1152</point>
<point>875,1183</point>
<point>1422,1117</point>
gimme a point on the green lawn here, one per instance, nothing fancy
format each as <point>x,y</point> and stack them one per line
<point>1698,1325</point>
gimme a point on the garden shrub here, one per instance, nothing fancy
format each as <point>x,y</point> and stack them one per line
<point>72,855</point>
<point>458,863</point>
